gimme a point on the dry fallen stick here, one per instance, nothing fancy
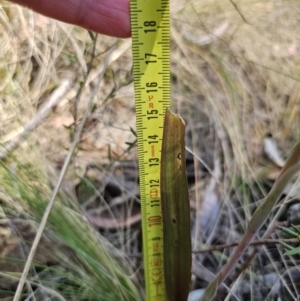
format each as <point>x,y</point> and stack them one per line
<point>253,243</point>
<point>59,94</point>
<point>112,224</point>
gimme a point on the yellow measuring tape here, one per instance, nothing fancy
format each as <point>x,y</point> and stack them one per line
<point>150,29</point>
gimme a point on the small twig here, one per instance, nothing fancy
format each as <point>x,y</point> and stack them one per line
<point>110,223</point>
<point>254,243</point>
<point>78,95</point>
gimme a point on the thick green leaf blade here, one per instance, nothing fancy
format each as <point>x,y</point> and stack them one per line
<point>175,210</point>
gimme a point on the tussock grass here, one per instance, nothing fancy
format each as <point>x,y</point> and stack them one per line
<point>90,265</point>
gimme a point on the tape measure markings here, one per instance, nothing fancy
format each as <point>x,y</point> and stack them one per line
<point>151,65</point>
<point>150,34</point>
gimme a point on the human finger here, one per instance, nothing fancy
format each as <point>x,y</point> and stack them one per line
<point>110,17</point>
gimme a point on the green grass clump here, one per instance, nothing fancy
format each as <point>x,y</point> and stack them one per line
<point>87,266</point>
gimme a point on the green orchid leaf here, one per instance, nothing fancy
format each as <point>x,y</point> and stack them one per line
<point>175,210</point>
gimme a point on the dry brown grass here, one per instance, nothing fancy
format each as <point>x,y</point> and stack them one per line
<point>235,78</point>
